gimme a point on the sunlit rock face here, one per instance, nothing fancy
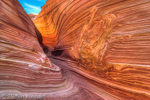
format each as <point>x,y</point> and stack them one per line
<point>32,16</point>
<point>106,41</point>
<point>101,51</point>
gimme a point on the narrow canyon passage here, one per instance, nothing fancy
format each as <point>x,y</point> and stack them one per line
<point>75,50</point>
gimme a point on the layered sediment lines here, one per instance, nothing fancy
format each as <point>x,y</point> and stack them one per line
<point>106,41</point>
<point>101,50</point>
<point>25,70</point>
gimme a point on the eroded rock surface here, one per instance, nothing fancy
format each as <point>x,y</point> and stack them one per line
<point>101,50</point>
<point>107,39</point>
<point>24,67</point>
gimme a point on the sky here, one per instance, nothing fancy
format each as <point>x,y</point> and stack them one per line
<point>32,6</point>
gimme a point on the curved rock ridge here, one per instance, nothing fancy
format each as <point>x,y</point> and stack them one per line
<point>25,70</point>
<point>106,41</point>
<point>101,51</point>
<point>19,37</point>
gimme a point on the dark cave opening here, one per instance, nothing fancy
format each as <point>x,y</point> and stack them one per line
<point>57,52</point>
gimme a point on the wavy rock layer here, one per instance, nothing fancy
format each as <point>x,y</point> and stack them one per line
<point>102,47</point>
<point>106,41</point>
<point>24,67</point>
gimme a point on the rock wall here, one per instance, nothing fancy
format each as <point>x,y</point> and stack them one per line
<point>108,39</point>
<point>24,67</point>
<point>101,50</point>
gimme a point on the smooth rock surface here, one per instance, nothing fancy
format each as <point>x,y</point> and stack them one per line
<point>104,40</point>
<point>32,16</point>
<point>100,51</point>
<point>25,70</point>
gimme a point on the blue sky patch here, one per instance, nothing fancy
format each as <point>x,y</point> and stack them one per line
<point>32,6</point>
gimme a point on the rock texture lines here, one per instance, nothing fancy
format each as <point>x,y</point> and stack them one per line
<point>24,67</point>
<point>100,50</point>
<point>106,38</point>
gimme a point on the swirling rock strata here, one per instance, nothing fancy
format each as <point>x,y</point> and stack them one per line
<point>102,47</point>
<point>106,41</point>
<point>24,67</point>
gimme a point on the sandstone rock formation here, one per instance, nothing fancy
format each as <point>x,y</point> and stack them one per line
<point>24,67</point>
<point>32,16</point>
<point>101,50</point>
<point>108,39</point>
